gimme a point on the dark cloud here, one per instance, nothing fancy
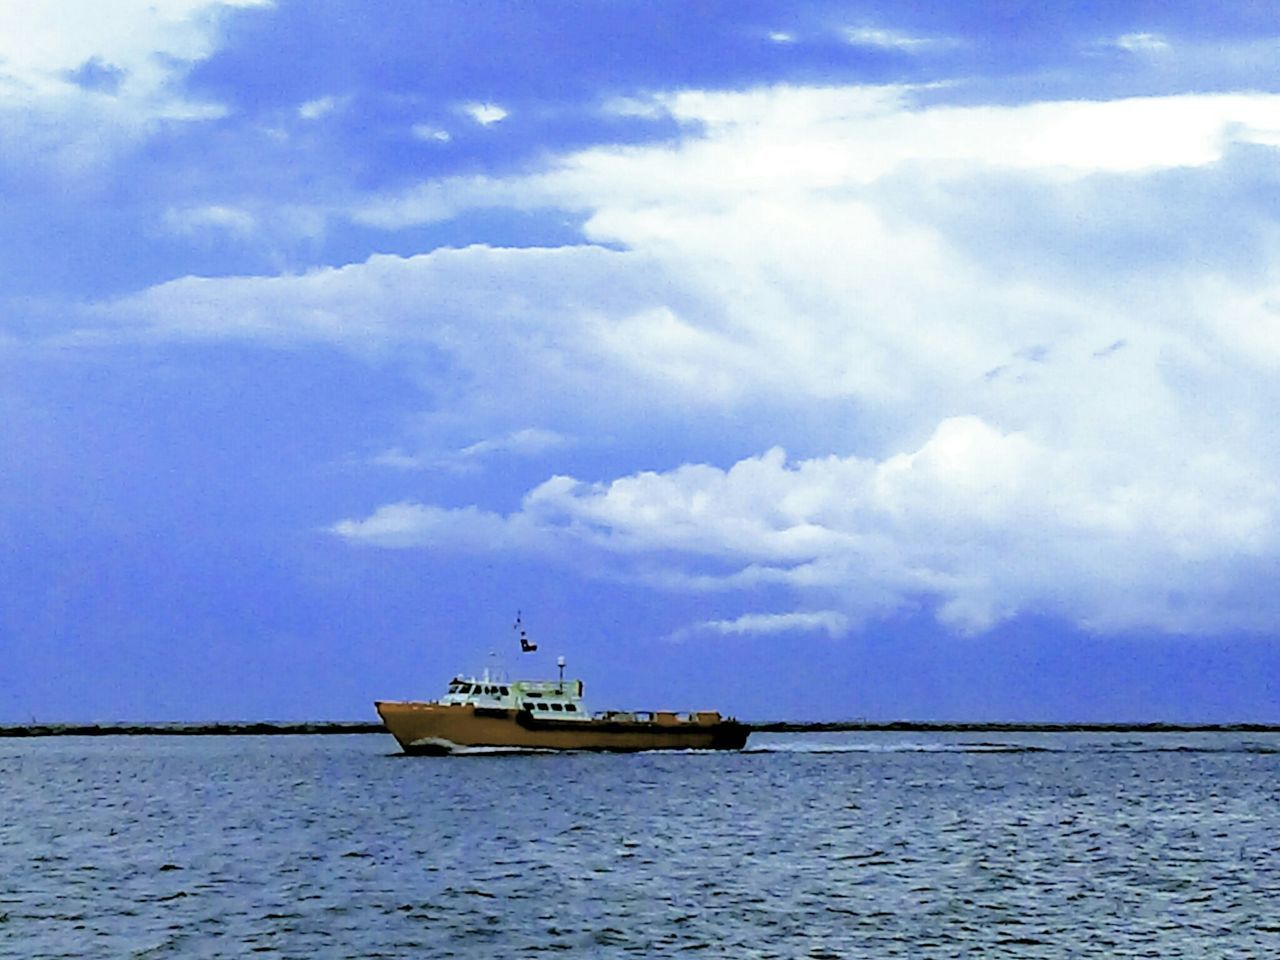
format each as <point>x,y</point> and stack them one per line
<point>95,75</point>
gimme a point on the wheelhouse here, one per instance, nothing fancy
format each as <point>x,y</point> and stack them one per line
<point>549,699</point>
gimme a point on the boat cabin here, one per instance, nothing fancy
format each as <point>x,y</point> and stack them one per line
<point>554,700</point>
<point>559,699</point>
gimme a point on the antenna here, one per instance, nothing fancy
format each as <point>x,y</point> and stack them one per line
<point>560,664</point>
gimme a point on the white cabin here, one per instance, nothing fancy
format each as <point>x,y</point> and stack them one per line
<point>558,699</point>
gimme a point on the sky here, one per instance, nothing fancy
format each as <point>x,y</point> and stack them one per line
<point>824,361</point>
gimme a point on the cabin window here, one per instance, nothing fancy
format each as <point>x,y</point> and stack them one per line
<point>572,708</point>
<point>557,707</point>
<point>465,688</point>
<point>503,690</point>
<point>527,705</point>
<point>542,706</point>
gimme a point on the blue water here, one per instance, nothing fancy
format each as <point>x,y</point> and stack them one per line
<point>834,845</point>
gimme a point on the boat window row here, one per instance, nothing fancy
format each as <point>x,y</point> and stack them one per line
<point>557,707</point>
<point>481,688</point>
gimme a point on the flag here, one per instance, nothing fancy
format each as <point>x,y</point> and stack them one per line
<point>525,645</point>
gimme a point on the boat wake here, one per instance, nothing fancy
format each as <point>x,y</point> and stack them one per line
<point>1012,748</point>
<point>444,747</point>
<point>460,751</point>
<point>895,748</point>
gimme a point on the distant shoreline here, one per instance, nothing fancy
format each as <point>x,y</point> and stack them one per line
<point>930,726</point>
<point>266,728</point>
<point>222,729</point>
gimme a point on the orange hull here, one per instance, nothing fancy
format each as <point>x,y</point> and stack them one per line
<point>434,728</point>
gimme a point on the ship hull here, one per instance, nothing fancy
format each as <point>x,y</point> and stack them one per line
<point>435,729</point>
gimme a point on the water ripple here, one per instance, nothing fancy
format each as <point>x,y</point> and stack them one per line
<point>825,846</point>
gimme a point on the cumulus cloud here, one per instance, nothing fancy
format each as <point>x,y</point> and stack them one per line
<point>80,79</point>
<point>485,114</point>
<point>410,524</point>
<point>977,524</point>
<point>40,41</point>
<point>789,146</point>
<point>998,413</point>
<point>532,330</point>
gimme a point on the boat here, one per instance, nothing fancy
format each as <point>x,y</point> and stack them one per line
<point>490,713</point>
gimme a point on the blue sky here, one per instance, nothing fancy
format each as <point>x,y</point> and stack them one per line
<point>823,361</point>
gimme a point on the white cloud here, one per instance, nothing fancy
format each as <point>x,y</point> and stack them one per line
<point>645,106</point>
<point>508,316</point>
<point>980,525</point>
<point>1143,43</point>
<point>40,41</point>
<point>485,114</point>
<point>887,39</point>
<point>410,524</point>
<point>80,79</point>
<point>526,442</point>
<point>214,217</point>
<point>925,300</point>
<point>835,624</point>
<point>320,107</point>
<point>398,459</point>
<point>430,134</point>
<point>838,136</point>
<point>792,146</point>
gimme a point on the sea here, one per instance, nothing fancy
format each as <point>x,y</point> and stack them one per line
<point>804,845</point>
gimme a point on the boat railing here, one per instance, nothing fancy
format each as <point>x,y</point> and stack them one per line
<point>663,718</point>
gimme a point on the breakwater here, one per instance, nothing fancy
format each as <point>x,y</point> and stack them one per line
<point>217,729</point>
<point>999,726</point>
